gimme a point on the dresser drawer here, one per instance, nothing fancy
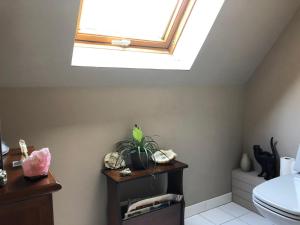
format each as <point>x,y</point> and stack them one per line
<point>34,211</point>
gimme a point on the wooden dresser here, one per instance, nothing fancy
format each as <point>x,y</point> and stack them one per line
<point>25,202</point>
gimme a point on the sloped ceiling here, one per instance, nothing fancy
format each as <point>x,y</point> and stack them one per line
<point>37,37</point>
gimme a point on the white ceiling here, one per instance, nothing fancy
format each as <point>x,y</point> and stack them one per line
<point>37,38</point>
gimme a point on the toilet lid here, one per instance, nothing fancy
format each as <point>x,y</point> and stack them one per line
<point>282,193</point>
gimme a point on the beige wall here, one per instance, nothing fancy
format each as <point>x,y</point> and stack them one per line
<point>203,125</point>
<point>273,96</point>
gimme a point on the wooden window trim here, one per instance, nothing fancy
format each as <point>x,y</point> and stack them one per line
<point>170,38</point>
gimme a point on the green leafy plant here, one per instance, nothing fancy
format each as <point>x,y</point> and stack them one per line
<point>138,147</point>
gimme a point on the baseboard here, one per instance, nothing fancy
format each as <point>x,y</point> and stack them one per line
<point>207,205</point>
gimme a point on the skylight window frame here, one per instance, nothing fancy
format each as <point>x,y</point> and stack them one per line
<point>167,45</point>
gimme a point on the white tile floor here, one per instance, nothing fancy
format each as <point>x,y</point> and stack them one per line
<point>229,214</point>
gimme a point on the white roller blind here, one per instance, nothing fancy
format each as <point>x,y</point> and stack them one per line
<point>139,19</point>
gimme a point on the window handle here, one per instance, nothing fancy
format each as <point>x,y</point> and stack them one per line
<point>122,43</point>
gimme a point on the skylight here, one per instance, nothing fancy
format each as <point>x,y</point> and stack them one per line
<point>147,24</point>
<point>154,34</point>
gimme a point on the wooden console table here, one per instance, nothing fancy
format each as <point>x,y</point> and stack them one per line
<point>25,202</point>
<point>172,215</point>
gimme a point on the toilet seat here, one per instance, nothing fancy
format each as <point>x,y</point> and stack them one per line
<point>280,196</point>
<point>279,212</point>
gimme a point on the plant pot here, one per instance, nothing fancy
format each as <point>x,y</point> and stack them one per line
<point>139,161</point>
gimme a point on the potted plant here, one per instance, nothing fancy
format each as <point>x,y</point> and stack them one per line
<point>138,148</point>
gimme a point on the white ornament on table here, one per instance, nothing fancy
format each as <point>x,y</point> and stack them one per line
<point>125,172</point>
<point>3,177</point>
<point>23,148</point>
<point>114,160</point>
<point>164,156</point>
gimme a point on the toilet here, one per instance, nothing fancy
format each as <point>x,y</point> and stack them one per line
<point>278,199</point>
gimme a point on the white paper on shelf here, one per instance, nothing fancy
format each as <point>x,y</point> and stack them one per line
<point>161,198</point>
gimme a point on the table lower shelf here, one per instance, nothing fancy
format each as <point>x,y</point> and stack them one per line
<point>170,215</point>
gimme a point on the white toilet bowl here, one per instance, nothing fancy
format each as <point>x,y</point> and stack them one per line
<point>279,200</point>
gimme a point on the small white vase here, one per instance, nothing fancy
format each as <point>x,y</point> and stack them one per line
<point>245,163</point>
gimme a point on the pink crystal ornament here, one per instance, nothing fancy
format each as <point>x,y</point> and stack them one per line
<point>37,164</point>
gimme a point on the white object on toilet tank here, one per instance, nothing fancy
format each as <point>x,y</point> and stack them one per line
<point>297,163</point>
